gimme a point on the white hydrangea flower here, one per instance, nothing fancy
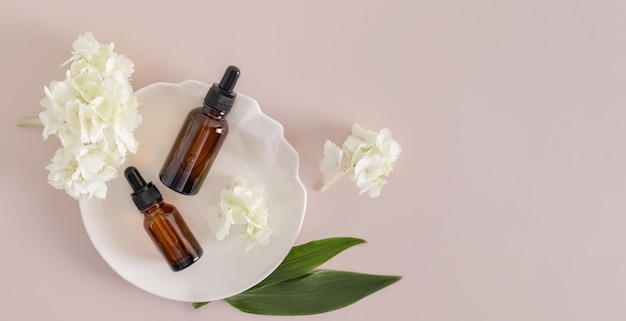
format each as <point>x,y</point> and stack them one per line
<point>93,113</point>
<point>370,157</point>
<point>244,204</point>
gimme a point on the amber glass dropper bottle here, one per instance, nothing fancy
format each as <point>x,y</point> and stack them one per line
<point>164,224</point>
<point>200,138</point>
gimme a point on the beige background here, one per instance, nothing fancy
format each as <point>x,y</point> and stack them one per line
<point>506,204</point>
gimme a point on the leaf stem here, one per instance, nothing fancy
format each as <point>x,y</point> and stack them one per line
<point>29,122</point>
<point>197,305</point>
<point>334,179</point>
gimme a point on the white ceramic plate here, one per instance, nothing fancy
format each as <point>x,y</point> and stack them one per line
<point>255,146</point>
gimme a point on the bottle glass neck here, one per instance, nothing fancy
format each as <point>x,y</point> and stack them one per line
<point>155,205</point>
<point>212,112</point>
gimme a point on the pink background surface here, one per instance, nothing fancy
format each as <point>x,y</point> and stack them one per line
<point>506,204</point>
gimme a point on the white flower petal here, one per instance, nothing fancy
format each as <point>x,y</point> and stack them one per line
<point>331,161</point>
<point>219,222</point>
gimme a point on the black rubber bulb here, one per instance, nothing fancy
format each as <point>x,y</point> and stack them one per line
<point>134,178</point>
<point>229,79</point>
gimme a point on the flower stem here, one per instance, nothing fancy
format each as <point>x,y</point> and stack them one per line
<point>29,122</point>
<point>334,179</point>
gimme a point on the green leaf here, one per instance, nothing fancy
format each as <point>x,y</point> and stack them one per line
<point>313,293</point>
<point>302,259</point>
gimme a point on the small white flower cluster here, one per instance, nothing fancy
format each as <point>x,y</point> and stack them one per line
<point>93,112</point>
<point>244,203</point>
<point>369,160</point>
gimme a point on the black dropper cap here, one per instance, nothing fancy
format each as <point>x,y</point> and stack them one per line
<point>221,96</point>
<point>143,194</point>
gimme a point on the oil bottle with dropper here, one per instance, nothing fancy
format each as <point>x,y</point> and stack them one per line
<point>200,138</point>
<point>164,224</point>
